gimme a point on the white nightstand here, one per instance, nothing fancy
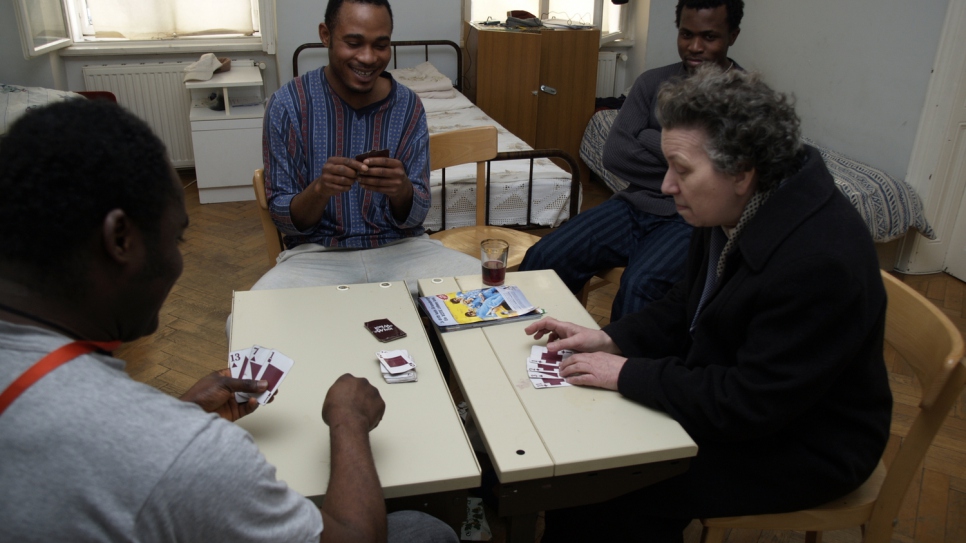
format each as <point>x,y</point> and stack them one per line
<point>228,144</point>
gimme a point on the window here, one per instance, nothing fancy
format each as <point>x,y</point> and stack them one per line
<point>165,19</point>
<point>48,25</point>
<point>42,26</point>
<point>604,14</point>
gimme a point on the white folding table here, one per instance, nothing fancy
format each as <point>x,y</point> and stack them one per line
<point>420,447</point>
<point>553,447</point>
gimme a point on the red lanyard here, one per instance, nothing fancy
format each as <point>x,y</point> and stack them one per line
<point>48,364</point>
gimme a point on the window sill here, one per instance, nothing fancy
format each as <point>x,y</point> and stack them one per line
<point>155,47</point>
<point>619,43</point>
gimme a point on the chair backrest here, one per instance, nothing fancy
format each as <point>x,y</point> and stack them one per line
<point>273,238</point>
<point>929,342</point>
<point>477,144</point>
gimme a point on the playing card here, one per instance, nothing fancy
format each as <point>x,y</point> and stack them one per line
<point>542,370</point>
<point>407,377</point>
<point>397,361</point>
<point>549,382</point>
<point>539,353</point>
<point>274,370</point>
<point>252,365</point>
<point>384,330</point>
<point>373,154</point>
<point>237,359</point>
<point>239,364</point>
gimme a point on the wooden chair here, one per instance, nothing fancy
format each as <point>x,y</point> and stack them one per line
<point>926,339</point>
<point>600,279</point>
<point>273,238</point>
<point>478,145</point>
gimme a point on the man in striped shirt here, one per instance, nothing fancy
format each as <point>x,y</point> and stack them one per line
<point>346,219</point>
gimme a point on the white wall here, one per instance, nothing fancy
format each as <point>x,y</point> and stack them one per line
<point>14,69</point>
<point>298,21</point>
<point>858,68</point>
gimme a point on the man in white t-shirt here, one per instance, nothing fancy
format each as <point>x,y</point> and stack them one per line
<point>89,229</point>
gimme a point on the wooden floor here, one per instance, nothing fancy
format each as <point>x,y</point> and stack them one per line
<point>224,251</point>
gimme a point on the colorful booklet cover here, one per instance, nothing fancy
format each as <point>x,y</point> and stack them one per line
<point>480,307</point>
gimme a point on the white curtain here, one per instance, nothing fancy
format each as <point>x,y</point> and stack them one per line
<point>152,19</point>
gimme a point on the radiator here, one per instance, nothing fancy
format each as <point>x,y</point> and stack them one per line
<point>606,72</point>
<point>155,92</point>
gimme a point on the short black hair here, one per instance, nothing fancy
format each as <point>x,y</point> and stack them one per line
<point>332,10</point>
<point>735,9</point>
<point>65,167</point>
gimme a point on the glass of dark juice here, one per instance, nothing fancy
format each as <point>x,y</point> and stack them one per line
<point>493,253</point>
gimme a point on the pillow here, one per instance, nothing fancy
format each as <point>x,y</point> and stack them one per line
<point>422,78</point>
<point>16,100</point>
<point>889,206</point>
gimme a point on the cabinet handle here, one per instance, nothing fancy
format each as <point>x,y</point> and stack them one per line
<point>548,90</point>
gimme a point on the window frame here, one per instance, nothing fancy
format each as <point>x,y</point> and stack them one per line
<point>598,10</point>
<point>76,45</point>
<point>30,50</point>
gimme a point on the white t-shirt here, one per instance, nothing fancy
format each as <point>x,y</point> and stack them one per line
<point>87,454</point>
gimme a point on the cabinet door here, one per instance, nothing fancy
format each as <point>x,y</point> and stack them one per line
<point>227,152</point>
<point>507,80</point>
<point>569,66</point>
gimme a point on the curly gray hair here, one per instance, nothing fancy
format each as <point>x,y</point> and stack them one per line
<point>748,124</point>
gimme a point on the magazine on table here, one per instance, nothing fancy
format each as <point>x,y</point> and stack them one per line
<point>480,307</point>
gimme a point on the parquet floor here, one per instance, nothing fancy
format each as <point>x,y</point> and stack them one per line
<point>224,251</point>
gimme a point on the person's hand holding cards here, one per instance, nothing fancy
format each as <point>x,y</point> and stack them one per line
<point>386,175</point>
<point>214,393</point>
<point>260,364</point>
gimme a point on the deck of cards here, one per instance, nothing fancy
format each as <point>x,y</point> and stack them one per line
<point>543,367</point>
<point>397,366</point>
<point>259,363</point>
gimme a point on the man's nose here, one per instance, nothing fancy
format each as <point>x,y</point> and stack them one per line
<point>367,55</point>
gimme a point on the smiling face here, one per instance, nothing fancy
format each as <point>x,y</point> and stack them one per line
<point>358,52</point>
<point>702,195</point>
<point>704,36</point>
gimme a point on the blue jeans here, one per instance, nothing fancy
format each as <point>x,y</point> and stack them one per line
<point>615,233</point>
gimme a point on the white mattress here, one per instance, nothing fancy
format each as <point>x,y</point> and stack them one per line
<point>448,111</point>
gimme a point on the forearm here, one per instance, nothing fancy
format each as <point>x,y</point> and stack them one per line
<point>354,509</point>
<point>402,203</point>
<point>307,208</point>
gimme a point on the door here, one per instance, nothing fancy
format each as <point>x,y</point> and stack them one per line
<point>568,83</point>
<point>955,149</point>
<point>507,80</point>
<point>955,263</point>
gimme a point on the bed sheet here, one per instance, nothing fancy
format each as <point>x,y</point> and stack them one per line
<point>16,100</point>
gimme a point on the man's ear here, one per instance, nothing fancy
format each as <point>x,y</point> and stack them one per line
<point>733,36</point>
<point>324,34</point>
<point>746,182</point>
<point>120,236</point>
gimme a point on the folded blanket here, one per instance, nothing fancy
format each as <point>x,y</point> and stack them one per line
<point>422,78</point>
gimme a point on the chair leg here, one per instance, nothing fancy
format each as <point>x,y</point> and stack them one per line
<point>712,535</point>
<point>584,293</point>
<point>813,537</point>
